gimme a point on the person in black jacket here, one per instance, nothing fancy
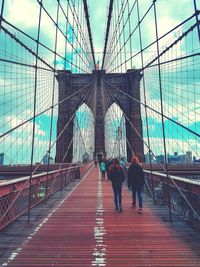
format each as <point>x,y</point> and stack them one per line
<point>136,182</point>
<point>116,175</point>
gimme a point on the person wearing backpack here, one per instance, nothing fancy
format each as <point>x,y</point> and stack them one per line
<point>116,175</point>
<point>136,182</point>
<point>103,169</point>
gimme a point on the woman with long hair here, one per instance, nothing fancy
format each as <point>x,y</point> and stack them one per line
<point>136,182</point>
<point>116,175</point>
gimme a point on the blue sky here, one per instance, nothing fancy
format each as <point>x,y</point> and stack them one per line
<point>17,83</point>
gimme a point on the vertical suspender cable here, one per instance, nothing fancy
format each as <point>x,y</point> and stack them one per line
<point>130,40</point>
<point>107,31</point>
<point>34,110</point>
<point>196,15</point>
<point>123,29</point>
<point>161,106</point>
<point>145,99</point>
<point>120,33</point>
<point>81,40</point>
<point>65,66</point>
<point>73,35</point>
<point>115,37</point>
<point>52,106</point>
<point>1,16</point>
<point>89,31</point>
<point>78,32</point>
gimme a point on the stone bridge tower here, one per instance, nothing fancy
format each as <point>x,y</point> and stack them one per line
<point>82,86</point>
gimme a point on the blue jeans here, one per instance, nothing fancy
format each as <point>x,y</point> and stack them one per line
<point>117,189</point>
<point>139,195</point>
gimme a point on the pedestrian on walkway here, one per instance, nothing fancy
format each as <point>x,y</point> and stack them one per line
<point>136,182</point>
<point>116,175</point>
<point>95,163</point>
<point>103,169</point>
<point>123,165</point>
<point>107,162</point>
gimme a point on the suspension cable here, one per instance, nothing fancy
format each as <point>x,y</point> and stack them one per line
<point>162,166</point>
<point>156,111</point>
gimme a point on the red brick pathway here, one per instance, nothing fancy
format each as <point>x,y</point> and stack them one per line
<point>86,231</point>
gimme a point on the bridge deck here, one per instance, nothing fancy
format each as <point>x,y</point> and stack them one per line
<point>85,230</point>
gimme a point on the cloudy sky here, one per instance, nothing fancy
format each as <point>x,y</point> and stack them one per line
<point>181,85</point>
<point>24,15</point>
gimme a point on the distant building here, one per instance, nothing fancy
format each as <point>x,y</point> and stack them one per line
<point>182,158</point>
<point>47,159</point>
<point>172,159</point>
<point>1,158</point>
<point>148,157</point>
<point>188,156</point>
<point>195,161</point>
<point>160,159</point>
<point>176,154</point>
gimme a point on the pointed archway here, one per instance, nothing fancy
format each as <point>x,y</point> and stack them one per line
<point>83,134</point>
<point>115,133</point>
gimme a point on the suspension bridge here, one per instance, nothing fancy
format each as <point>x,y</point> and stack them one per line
<point>82,80</point>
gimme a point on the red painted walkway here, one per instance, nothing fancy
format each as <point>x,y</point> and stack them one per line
<point>86,231</point>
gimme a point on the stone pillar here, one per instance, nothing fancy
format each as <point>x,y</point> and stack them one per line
<point>134,115</point>
<point>68,85</point>
<point>64,143</point>
<point>99,115</point>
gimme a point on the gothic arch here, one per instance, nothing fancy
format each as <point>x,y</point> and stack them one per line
<point>115,132</point>
<point>83,134</point>
<point>127,83</point>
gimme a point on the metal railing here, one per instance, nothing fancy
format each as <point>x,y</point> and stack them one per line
<point>17,196</point>
<point>182,194</point>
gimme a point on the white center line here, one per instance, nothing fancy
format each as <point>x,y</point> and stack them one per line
<point>99,231</point>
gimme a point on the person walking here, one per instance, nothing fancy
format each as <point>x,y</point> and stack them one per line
<point>136,182</point>
<point>95,163</point>
<point>107,162</point>
<point>103,169</point>
<point>116,175</point>
<point>123,164</point>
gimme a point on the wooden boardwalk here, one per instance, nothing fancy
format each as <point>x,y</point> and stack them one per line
<point>85,230</point>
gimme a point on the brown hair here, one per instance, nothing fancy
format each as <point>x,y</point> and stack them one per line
<point>135,160</point>
<point>115,165</point>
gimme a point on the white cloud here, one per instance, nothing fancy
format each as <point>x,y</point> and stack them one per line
<point>17,148</point>
<point>23,12</point>
<point>13,121</point>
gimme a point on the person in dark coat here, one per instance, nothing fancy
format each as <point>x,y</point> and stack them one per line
<point>136,182</point>
<point>116,175</point>
<point>95,163</point>
<point>107,162</point>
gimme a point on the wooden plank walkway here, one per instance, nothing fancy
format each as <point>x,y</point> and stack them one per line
<point>86,231</point>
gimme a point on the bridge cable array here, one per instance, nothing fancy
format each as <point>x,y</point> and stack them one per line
<point>167,58</point>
